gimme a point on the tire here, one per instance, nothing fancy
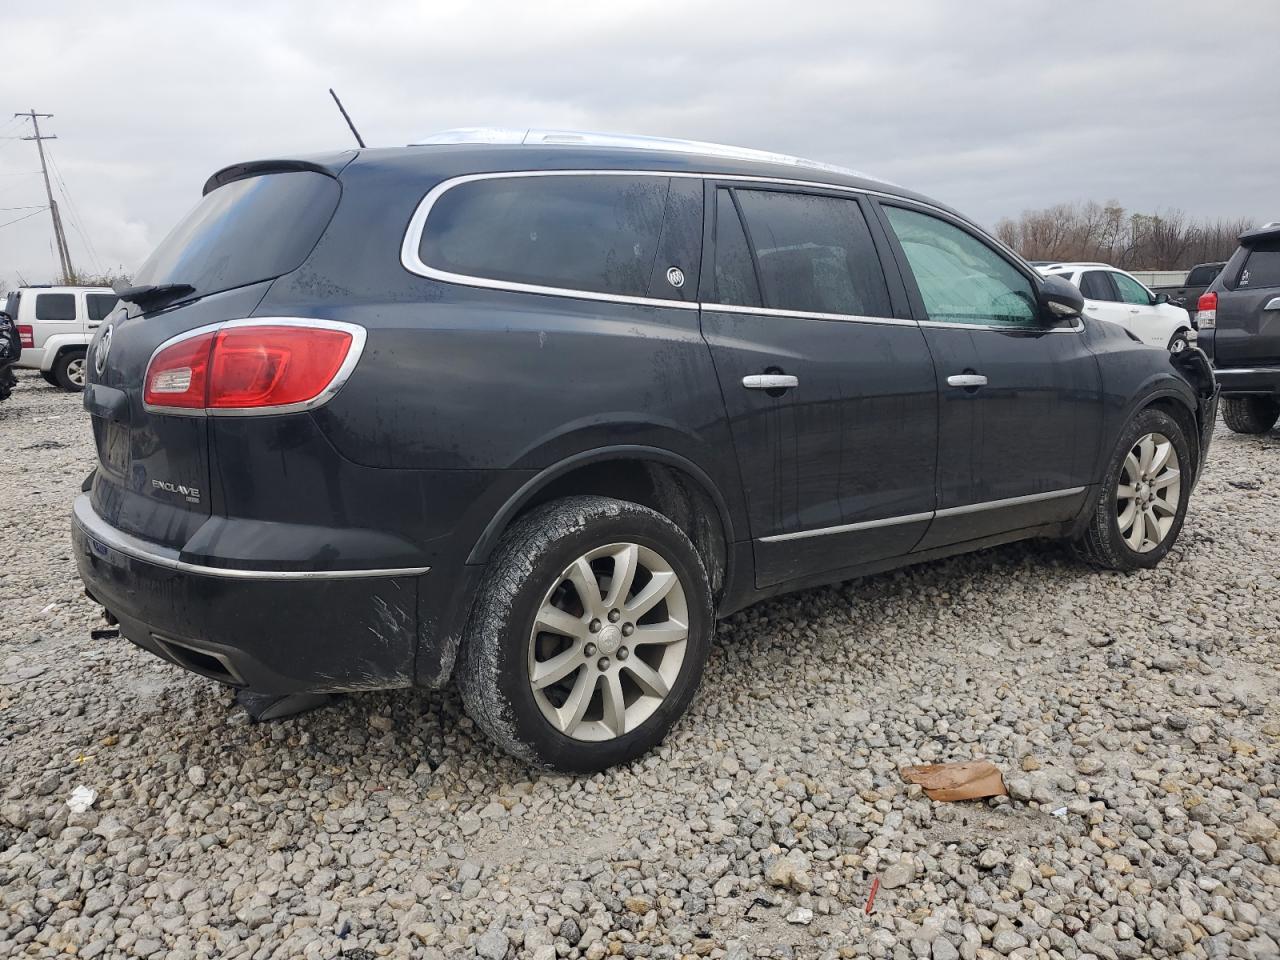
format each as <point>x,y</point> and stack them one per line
<point>69,370</point>
<point>1109,541</point>
<point>527,579</point>
<point>1178,342</point>
<point>1250,414</point>
<point>8,380</point>
<point>49,378</point>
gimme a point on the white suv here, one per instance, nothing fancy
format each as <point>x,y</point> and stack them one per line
<point>1111,294</point>
<point>56,325</point>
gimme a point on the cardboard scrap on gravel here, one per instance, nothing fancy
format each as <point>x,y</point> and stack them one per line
<point>971,780</point>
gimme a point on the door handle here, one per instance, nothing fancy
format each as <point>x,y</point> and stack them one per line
<point>1273,304</point>
<point>1134,310</point>
<point>94,324</point>
<point>770,381</point>
<point>967,380</point>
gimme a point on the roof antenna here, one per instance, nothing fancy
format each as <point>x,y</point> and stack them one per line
<point>347,117</point>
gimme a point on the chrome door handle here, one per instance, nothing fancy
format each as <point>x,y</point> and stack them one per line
<point>770,381</point>
<point>967,380</point>
<point>1273,304</point>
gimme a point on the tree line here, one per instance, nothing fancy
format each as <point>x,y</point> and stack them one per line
<point>1107,233</point>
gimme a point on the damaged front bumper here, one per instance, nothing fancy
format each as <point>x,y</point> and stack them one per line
<point>271,631</point>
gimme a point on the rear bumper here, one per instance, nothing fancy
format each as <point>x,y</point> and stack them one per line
<point>1245,381</point>
<point>272,631</point>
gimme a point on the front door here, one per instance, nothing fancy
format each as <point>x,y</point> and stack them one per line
<point>828,386</point>
<point>1020,400</point>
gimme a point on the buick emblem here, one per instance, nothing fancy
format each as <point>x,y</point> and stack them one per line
<point>101,351</point>
<point>675,277</point>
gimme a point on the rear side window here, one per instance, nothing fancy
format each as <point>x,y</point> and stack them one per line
<point>56,306</point>
<point>254,229</point>
<point>1261,267</point>
<point>960,278</point>
<point>1131,291</point>
<point>1096,285</point>
<point>1203,276</point>
<point>814,254</point>
<point>591,233</point>
<point>735,274</point>
<point>100,304</point>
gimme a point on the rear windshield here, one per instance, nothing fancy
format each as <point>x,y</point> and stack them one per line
<point>254,229</point>
<point>1203,276</point>
<point>1261,267</point>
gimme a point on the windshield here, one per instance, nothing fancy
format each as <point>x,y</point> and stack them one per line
<point>254,229</point>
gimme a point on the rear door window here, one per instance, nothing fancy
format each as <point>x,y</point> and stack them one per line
<point>249,230</point>
<point>735,273</point>
<point>100,304</point>
<point>961,279</point>
<point>1131,291</point>
<point>1097,285</point>
<point>56,307</point>
<point>814,254</point>
<point>1261,267</point>
<point>589,233</point>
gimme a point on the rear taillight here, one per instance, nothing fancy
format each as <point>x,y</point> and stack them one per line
<point>26,336</point>
<point>1207,310</point>
<point>261,366</point>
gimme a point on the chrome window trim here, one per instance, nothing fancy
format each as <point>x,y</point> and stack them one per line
<point>805,315</point>
<point>1002,328</point>
<point>99,531</point>
<point>929,515</point>
<point>1244,370</point>
<point>358,334</point>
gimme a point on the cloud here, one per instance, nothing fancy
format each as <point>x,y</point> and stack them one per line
<point>992,106</point>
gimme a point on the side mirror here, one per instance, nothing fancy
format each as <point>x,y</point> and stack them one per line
<point>1060,299</point>
<point>1161,298</point>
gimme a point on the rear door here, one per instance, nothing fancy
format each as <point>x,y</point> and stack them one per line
<point>827,381</point>
<point>56,314</point>
<point>1248,326</point>
<point>1020,400</point>
<point>1101,298</point>
<point>1145,318</point>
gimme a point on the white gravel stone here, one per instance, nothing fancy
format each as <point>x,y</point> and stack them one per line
<point>384,824</point>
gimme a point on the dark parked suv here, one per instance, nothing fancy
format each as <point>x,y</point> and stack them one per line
<point>532,415</point>
<point>1239,318</point>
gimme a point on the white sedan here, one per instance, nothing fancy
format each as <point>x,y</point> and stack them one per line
<point>1111,294</point>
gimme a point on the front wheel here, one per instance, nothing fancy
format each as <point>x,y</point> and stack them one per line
<point>69,370</point>
<point>1143,497</point>
<point>1250,414</point>
<point>1179,341</point>
<point>588,636</point>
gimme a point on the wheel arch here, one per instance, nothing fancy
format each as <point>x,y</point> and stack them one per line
<point>651,476</point>
<point>56,346</point>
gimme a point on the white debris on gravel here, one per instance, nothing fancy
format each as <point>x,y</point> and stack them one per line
<point>1145,705</point>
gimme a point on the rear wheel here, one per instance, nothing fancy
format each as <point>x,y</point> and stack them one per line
<point>588,636</point>
<point>69,370</point>
<point>1250,414</point>
<point>1143,497</point>
<point>49,378</point>
<point>1178,342</point>
<point>7,382</point>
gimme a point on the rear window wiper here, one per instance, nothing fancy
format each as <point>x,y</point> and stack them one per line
<point>153,294</point>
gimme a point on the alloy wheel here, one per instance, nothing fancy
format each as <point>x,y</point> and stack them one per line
<point>608,642</point>
<point>75,371</point>
<point>1148,494</point>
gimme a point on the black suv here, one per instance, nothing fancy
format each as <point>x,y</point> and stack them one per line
<point>532,415</point>
<point>1239,317</point>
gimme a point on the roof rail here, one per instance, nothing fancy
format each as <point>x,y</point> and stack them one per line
<point>544,138</point>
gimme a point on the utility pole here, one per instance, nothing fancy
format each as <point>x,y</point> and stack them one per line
<point>63,254</point>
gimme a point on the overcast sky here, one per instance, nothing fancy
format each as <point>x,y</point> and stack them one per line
<point>992,107</point>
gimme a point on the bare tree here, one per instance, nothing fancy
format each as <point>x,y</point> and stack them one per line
<point>1108,233</point>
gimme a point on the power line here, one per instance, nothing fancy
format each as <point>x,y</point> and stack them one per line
<point>76,220</point>
<point>20,219</point>
<point>63,254</point>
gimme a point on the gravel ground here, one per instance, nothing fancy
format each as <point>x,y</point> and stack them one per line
<point>1144,705</point>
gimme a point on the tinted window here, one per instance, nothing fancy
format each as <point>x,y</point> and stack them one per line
<point>735,274</point>
<point>596,233</point>
<point>55,306</point>
<point>1262,267</point>
<point>249,230</point>
<point>961,279</point>
<point>1203,276</point>
<point>100,304</point>
<point>1096,285</point>
<point>814,254</point>
<point>1131,291</point>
